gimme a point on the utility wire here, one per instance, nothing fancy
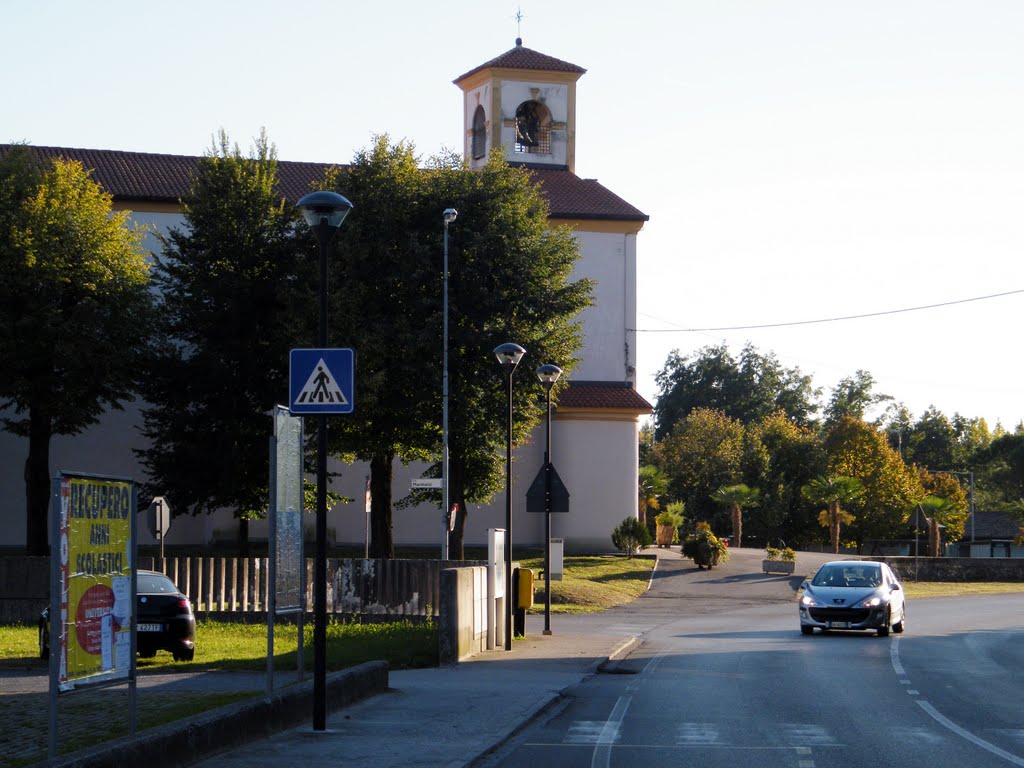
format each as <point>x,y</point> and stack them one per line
<point>825,319</point>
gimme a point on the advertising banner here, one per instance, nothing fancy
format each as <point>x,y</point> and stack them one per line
<point>95,607</point>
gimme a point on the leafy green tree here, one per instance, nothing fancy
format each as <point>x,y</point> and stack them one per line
<point>510,280</point>
<point>387,282</point>
<point>75,312</point>
<point>746,389</point>
<point>853,397</point>
<point>953,514</point>
<point>861,450</point>
<point>836,492</point>
<point>1000,468</point>
<point>737,498</point>
<point>652,484</point>
<point>228,283</point>
<point>932,442</point>
<point>794,455</point>
<point>703,453</point>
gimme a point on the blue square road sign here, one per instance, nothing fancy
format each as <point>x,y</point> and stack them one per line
<point>321,381</point>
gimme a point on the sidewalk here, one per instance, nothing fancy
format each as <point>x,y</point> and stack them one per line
<point>449,716</point>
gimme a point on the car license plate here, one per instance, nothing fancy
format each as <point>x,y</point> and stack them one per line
<point>151,627</point>
<point>839,625</point>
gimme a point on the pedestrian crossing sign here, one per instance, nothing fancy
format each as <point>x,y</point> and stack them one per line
<point>321,381</point>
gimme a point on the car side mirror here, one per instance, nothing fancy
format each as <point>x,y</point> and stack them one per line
<point>805,585</point>
<point>894,587</point>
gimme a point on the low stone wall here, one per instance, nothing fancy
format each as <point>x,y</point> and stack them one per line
<point>24,588</point>
<point>955,568</point>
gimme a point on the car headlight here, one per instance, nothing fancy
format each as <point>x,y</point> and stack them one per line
<point>872,602</point>
<point>807,600</point>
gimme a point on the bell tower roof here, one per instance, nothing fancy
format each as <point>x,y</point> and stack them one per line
<point>525,58</point>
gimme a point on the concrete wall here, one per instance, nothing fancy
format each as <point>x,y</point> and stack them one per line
<point>462,623</point>
<point>955,568</point>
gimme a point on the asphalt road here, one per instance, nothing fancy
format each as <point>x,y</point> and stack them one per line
<point>724,678</point>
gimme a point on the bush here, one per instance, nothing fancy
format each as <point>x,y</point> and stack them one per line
<point>631,535</point>
<point>704,545</point>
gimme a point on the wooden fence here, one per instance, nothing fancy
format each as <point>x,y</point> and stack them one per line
<point>392,589</point>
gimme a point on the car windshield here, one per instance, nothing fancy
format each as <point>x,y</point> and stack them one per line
<point>848,576</point>
<point>155,584</point>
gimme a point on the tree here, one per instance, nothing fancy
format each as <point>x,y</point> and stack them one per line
<point>953,514</point>
<point>387,278</point>
<point>853,397</point>
<point>75,312</point>
<point>229,281</point>
<point>836,492</point>
<point>737,498</point>
<point>747,389</point>
<point>511,280</point>
<point>703,453</point>
<point>652,484</point>
<point>861,450</point>
<point>631,535</point>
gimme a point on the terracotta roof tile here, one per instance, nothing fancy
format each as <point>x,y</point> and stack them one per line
<point>603,394</point>
<point>141,176</point>
<point>524,58</point>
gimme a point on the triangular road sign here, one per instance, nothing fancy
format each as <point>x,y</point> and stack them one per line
<point>321,387</point>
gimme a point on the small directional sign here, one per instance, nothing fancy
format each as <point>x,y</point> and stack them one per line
<point>559,493</point>
<point>321,381</point>
<point>419,483</point>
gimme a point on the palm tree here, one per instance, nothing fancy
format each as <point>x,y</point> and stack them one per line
<point>835,491</point>
<point>652,484</point>
<point>934,509</point>
<point>737,498</point>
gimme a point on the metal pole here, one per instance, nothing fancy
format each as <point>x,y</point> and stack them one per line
<point>508,519</point>
<point>320,564</point>
<point>547,520</point>
<point>444,403</point>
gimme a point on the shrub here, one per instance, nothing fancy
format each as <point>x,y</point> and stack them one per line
<point>703,535</point>
<point>788,555</point>
<point>631,535</point>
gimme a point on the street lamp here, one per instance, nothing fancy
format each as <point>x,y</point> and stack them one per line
<point>548,375</point>
<point>449,215</point>
<point>324,212</point>
<point>508,355</point>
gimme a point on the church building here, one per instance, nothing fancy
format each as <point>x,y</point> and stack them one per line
<point>524,102</point>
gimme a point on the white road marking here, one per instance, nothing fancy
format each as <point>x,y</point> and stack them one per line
<point>704,734</point>
<point>610,733</point>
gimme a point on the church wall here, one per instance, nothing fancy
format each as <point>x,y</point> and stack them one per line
<point>555,96</point>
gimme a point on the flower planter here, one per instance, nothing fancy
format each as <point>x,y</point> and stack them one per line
<point>778,566</point>
<point>664,535</point>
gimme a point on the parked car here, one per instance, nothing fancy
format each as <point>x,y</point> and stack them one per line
<point>163,619</point>
<point>853,594</point>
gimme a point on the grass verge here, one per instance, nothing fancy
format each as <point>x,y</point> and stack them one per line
<point>592,583</point>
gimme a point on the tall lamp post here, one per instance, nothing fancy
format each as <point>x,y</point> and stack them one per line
<point>324,212</point>
<point>508,355</point>
<point>449,215</point>
<point>548,375</point>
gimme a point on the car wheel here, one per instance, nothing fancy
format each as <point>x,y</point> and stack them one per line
<point>901,625</point>
<point>186,655</point>
<point>883,631</point>
<point>44,647</point>
<point>806,630</point>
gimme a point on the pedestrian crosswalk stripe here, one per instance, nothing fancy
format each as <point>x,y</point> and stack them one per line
<point>320,387</point>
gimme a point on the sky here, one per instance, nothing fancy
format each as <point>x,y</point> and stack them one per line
<point>800,160</point>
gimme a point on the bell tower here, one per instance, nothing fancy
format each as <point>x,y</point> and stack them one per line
<point>525,103</point>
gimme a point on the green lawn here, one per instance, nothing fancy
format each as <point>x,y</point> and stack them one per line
<point>592,583</point>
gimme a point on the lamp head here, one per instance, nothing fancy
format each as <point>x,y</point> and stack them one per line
<point>509,355</point>
<point>548,375</point>
<point>324,208</point>
<point>449,215</point>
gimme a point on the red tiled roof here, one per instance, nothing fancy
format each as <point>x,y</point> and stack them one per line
<point>603,394</point>
<point>524,58</point>
<point>136,176</point>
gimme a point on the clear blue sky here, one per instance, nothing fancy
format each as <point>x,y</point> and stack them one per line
<point>799,160</point>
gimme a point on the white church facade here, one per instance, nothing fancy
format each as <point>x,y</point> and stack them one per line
<point>524,102</point>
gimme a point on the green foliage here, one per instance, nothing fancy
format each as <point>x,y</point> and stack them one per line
<point>75,310</point>
<point>704,548</point>
<point>631,535</point>
<point>747,389</point>
<point>788,555</point>
<point>853,397</point>
<point>703,453</point>
<point>230,285</point>
<point>835,491</point>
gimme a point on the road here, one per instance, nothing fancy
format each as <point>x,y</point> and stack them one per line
<point>724,678</point>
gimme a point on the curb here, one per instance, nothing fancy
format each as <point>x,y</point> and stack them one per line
<point>184,742</point>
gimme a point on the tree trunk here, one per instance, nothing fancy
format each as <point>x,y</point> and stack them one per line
<point>37,482</point>
<point>737,526</point>
<point>382,543</point>
<point>456,495</point>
